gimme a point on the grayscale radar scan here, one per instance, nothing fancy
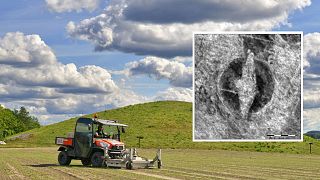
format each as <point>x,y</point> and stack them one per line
<point>247,87</point>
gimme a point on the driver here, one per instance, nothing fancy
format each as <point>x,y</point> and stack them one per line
<point>100,133</point>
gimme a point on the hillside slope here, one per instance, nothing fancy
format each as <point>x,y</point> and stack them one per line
<point>313,134</point>
<point>160,123</point>
<point>165,124</point>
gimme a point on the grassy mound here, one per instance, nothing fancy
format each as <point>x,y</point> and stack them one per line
<point>163,124</point>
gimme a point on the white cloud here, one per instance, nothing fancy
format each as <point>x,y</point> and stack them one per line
<point>311,119</point>
<point>31,76</point>
<point>311,70</point>
<point>54,118</point>
<point>25,60</point>
<point>182,59</point>
<point>52,110</point>
<point>37,108</point>
<point>14,92</point>
<point>190,11</point>
<point>177,73</point>
<point>312,52</point>
<point>175,94</point>
<point>311,40</point>
<point>161,28</point>
<point>311,98</point>
<point>20,50</point>
<point>89,103</point>
<point>311,65</point>
<point>72,5</point>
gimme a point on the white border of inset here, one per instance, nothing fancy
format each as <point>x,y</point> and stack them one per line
<point>247,140</point>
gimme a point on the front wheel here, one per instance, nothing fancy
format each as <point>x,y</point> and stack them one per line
<point>97,159</point>
<point>129,165</point>
<point>64,159</point>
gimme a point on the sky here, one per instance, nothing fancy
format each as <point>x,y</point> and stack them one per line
<point>65,58</point>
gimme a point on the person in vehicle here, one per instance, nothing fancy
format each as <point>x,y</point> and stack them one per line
<point>100,133</point>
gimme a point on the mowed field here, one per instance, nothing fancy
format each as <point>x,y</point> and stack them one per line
<point>41,163</point>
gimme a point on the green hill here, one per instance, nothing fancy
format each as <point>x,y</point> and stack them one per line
<point>313,134</point>
<point>165,124</point>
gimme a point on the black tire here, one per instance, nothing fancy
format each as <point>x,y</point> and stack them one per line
<point>64,159</point>
<point>129,165</point>
<point>86,161</point>
<point>97,159</point>
<point>159,164</point>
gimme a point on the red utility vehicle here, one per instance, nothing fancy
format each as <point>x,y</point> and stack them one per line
<point>107,150</point>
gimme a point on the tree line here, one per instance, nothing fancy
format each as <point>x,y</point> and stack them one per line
<point>15,121</point>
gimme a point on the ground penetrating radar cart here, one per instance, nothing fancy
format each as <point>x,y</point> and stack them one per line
<point>107,150</point>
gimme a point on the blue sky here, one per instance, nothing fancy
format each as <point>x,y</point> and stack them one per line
<point>83,56</point>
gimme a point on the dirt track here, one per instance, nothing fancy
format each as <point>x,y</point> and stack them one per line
<point>41,163</point>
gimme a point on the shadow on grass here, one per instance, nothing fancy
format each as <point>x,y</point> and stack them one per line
<point>57,165</point>
<point>42,165</point>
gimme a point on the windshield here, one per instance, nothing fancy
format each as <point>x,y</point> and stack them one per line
<point>110,132</point>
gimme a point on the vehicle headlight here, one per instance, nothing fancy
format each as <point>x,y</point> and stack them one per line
<point>104,145</point>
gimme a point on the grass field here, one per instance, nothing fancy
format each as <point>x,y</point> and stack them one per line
<point>167,125</point>
<point>41,163</point>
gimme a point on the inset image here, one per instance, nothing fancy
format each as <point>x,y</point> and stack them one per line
<point>247,86</point>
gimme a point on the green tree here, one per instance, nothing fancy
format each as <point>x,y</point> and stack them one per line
<point>29,122</point>
<point>9,123</point>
